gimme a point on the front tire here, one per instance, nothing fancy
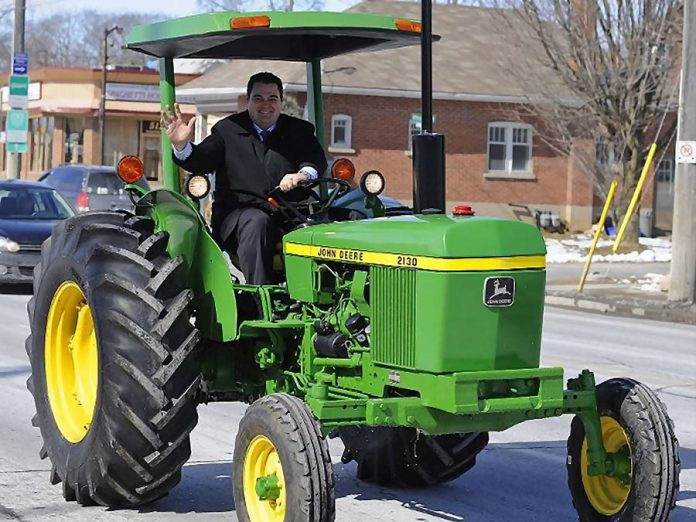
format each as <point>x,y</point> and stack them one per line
<point>112,351</point>
<point>407,458</point>
<point>635,421</point>
<point>281,469</point>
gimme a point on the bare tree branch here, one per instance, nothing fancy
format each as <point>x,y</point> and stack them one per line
<point>617,63</point>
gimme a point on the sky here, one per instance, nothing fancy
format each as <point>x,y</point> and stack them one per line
<point>173,8</point>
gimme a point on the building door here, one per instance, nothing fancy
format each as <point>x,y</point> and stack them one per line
<point>664,194</point>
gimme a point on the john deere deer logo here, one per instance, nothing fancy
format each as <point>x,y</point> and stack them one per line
<point>499,291</point>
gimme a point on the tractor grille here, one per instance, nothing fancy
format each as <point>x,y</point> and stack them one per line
<point>393,299</point>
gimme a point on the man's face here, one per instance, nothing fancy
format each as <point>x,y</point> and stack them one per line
<point>264,104</point>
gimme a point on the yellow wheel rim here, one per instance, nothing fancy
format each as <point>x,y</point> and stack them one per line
<point>72,364</point>
<point>260,461</point>
<point>606,494</point>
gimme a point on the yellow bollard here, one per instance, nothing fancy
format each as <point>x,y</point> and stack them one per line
<point>634,199</point>
<point>600,227</point>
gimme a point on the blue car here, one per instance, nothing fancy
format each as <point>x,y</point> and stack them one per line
<point>28,212</point>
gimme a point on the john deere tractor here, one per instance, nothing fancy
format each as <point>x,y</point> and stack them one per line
<point>409,335</point>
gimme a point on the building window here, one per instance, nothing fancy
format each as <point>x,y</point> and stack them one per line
<point>74,140</point>
<point>665,171</point>
<point>341,129</point>
<point>414,127</point>
<point>509,147</point>
<point>41,137</point>
<point>604,153</point>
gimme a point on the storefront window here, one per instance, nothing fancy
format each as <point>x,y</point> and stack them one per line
<point>41,142</point>
<point>151,143</point>
<point>74,140</point>
<point>121,138</point>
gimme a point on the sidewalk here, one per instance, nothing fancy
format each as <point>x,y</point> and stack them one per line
<point>617,290</point>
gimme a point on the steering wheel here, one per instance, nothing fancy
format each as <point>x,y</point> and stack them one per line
<point>290,210</point>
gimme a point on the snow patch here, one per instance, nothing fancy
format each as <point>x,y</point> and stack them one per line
<point>575,248</point>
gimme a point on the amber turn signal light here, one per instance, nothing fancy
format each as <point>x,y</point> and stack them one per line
<point>130,169</point>
<point>250,22</point>
<point>408,25</point>
<point>343,169</point>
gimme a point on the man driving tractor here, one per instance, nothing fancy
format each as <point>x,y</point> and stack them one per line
<point>252,153</point>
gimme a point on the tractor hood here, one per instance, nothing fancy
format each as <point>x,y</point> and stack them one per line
<point>432,236</point>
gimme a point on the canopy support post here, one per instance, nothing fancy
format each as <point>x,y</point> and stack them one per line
<point>170,171</point>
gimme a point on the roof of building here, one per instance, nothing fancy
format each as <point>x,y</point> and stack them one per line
<point>480,56</point>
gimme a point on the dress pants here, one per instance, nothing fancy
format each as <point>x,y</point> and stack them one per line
<point>251,234</point>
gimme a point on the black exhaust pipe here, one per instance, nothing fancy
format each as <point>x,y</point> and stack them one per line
<point>428,148</point>
<point>429,173</point>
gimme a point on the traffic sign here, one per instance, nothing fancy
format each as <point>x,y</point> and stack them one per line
<point>19,148</point>
<point>17,126</point>
<point>20,63</point>
<point>686,152</point>
<point>19,91</point>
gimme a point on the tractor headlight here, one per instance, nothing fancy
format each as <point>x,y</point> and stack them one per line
<point>198,186</point>
<point>372,182</point>
<point>7,245</point>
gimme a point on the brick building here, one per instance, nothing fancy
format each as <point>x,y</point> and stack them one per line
<point>494,162</point>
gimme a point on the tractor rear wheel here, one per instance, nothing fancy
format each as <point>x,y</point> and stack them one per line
<point>634,421</point>
<point>281,469</point>
<point>114,374</point>
<point>407,458</point>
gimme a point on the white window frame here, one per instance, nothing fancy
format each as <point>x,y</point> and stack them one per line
<point>666,165</point>
<point>348,120</point>
<point>509,127</point>
<point>415,124</point>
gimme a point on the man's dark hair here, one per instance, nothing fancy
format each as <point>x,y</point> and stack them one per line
<point>265,78</point>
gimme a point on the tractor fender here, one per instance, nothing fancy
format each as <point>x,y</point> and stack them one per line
<point>208,273</point>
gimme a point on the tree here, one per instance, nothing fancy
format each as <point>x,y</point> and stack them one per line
<point>606,75</point>
<point>271,5</point>
<point>75,39</point>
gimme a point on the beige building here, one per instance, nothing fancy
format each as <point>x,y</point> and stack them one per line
<point>64,118</point>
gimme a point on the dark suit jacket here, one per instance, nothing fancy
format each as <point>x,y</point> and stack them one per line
<point>242,161</point>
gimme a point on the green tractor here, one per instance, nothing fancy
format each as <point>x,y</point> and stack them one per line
<point>408,336</point>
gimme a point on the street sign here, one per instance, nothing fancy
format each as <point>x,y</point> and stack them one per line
<point>19,148</point>
<point>20,63</point>
<point>17,126</point>
<point>19,91</point>
<point>686,152</point>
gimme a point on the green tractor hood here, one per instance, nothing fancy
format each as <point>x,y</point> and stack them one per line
<point>435,236</point>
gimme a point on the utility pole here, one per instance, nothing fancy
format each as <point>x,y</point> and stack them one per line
<point>682,287</point>
<point>14,159</point>
<point>102,103</point>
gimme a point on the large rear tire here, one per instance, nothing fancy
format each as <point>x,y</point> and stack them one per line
<point>406,458</point>
<point>281,470</point>
<point>112,352</point>
<point>634,421</point>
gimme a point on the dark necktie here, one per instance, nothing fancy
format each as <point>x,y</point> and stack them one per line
<point>264,135</point>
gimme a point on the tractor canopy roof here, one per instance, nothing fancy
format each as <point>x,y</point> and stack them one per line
<point>273,35</point>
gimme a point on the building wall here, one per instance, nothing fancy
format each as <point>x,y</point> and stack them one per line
<point>380,127</point>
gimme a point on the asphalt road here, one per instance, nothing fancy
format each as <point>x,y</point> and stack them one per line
<point>520,476</point>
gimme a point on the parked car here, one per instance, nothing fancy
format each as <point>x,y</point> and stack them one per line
<point>28,212</point>
<point>90,187</point>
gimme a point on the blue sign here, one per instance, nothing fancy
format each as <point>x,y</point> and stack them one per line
<point>20,63</point>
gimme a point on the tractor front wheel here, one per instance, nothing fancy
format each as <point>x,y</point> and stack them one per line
<point>634,422</point>
<point>113,367</point>
<point>282,469</point>
<point>407,458</point>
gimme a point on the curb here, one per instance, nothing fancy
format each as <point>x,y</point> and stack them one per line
<point>676,313</point>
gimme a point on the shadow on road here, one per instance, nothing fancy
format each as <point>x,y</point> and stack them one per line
<point>205,487</point>
<point>511,481</point>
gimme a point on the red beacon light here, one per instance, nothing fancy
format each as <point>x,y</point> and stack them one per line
<point>463,210</point>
